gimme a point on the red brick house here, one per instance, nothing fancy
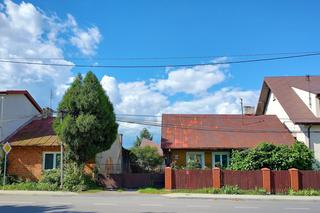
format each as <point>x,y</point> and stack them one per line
<point>209,139</point>
<point>35,148</point>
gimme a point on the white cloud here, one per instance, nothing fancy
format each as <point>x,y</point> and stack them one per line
<point>111,87</point>
<point>85,40</point>
<point>28,32</point>
<point>194,80</point>
<point>223,101</point>
<point>141,98</point>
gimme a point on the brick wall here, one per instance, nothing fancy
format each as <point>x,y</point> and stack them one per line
<point>26,161</point>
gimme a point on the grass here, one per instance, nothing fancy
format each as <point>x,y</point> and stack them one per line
<point>223,190</point>
<point>31,186</point>
<point>229,190</point>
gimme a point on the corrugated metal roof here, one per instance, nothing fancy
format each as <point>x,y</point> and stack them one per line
<point>282,88</point>
<point>187,131</point>
<point>36,133</point>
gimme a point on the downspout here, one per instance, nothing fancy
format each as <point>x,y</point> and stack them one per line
<point>309,135</point>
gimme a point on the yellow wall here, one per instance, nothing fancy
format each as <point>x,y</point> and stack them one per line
<point>181,154</point>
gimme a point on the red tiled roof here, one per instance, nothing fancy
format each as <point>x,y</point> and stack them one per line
<point>26,93</point>
<point>146,142</point>
<point>182,131</point>
<point>281,87</point>
<point>36,133</point>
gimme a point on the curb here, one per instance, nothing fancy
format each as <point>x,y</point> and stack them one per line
<point>22,192</point>
<point>242,197</point>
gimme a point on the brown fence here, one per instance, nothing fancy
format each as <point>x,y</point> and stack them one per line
<point>280,181</point>
<point>243,179</point>
<point>192,179</point>
<point>132,180</point>
<point>309,179</point>
<point>271,181</point>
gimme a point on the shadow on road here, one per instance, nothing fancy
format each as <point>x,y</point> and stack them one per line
<point>36,209</point>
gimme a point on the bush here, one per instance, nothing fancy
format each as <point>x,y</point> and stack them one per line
<point>75,179</point>
<point>147,158</point>
<point>52,177</point>
<point>267,155</point>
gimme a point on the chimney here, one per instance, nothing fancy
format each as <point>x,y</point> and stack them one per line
<point>249,110</point>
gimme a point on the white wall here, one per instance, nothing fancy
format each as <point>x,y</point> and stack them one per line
<point>17,110</point>
<point>273,107</point>
<point>308,98</point>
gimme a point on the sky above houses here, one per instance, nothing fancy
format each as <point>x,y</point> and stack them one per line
<point>162,32</point>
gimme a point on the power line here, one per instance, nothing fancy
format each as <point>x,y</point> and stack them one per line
<point>162,58</point>
<point>160,66</point>
<point>213,130</point>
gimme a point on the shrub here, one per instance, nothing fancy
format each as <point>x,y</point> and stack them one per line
<point>147,158</point>
<point>192,164</point>
<point>75,179</point>
<point>51,177</point>
<point>280,157</point>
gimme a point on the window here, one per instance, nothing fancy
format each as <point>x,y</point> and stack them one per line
<point>220,159</point>
<point>197,158</point>
<point>51,160</point>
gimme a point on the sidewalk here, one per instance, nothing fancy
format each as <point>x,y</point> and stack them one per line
<point>22,192</point>
<point>241,197</point>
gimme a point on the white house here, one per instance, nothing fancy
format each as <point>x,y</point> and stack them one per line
<point>17,108</point>
<point>296,102</point>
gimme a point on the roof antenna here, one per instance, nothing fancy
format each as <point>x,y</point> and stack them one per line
<point>308,80</point>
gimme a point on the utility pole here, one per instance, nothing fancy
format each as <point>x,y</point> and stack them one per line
<point>308,80</point>
<point>1,135</point>
<point>61,154</point>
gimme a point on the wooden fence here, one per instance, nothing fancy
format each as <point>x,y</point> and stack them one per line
<point>271,181</point>
<point>132,180</point>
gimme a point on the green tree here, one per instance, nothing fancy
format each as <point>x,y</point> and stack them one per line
<point>146,158</point>
<point>267,155</point>
<point>89,125</point>
<point>143,134</point>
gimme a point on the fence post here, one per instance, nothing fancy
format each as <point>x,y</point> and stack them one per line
<point>216,177</point>
<point>266,179</point>
<point>168,178</point>
<point>294,179</point>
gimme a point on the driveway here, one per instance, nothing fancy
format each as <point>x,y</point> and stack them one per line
<point>135,202</point>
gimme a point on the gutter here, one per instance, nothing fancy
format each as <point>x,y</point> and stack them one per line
<point>309,135</point>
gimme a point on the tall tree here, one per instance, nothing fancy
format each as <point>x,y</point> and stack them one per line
<point>144,133</point>
<point>89,124</point>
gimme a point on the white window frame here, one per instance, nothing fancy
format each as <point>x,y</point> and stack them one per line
<point>220,153</point>
<point>195,153</point>
<point>54,159</point>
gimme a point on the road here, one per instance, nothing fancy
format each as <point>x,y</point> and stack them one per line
<point>134,202</point>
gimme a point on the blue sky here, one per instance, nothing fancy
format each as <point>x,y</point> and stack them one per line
<point>131,29</point>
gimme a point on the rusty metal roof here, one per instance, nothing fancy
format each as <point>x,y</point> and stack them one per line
<point>212,131</point>
<point>36,133</point>
<point>282,88</point>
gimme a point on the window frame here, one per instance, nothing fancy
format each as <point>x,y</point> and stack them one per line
<point>220,153</point>
<point>203,163</point>
<point>54,160</point>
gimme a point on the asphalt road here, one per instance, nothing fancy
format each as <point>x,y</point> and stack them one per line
<point>134,202</point>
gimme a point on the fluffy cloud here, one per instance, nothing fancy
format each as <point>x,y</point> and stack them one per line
<point>86,40</point>
<point>140,97</point>
<point>223,101</point>
<point>27,32</point>
<point>194,80</point>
